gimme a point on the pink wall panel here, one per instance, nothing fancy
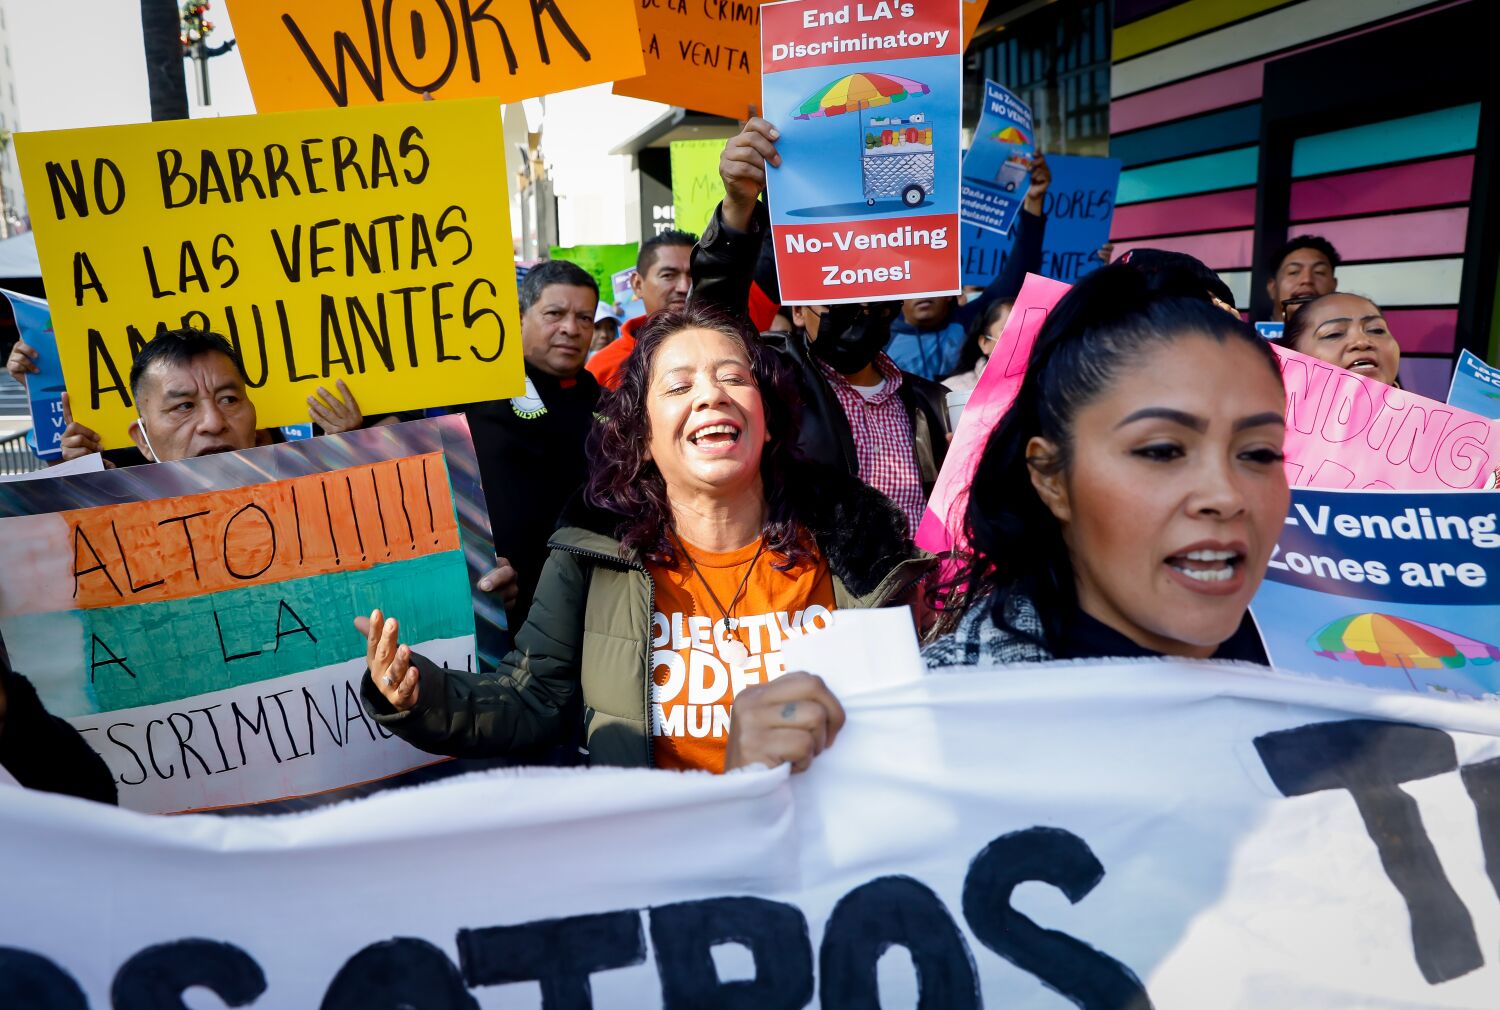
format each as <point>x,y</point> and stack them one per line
<point>1187,98</point>
<point>1211,211</point>
<point>1393,236</point>
<point>1220,250</point>
<point>1377,190</point>
<point>1424,331</point>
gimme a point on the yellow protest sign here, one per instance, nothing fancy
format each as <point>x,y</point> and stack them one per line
<point>696,186</point>
<point>371,245</point>
<point>302,55</point>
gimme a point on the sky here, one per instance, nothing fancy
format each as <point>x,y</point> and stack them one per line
<point>93,73</point>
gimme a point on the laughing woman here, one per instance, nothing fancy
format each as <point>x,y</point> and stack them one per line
<point>701,546</point>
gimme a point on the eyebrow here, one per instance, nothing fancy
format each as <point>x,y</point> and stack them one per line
<point>188,394</point>
<point>716,366</point>
<point>1350,319</point>
<point>1257,420</point>
<point>1181,417</point>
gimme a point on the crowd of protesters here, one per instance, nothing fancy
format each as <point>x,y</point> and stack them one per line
<point>671,504</point>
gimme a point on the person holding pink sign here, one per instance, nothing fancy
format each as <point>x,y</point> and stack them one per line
<point>1349,331</point>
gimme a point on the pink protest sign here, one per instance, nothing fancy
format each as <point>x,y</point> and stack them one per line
<point>996,389</point>
<point>1344,430</point>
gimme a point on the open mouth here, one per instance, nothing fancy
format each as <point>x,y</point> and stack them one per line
<point>716,436</point>
<point>215,449</point>
<point>1207,566</point>
<point>1367,365</point>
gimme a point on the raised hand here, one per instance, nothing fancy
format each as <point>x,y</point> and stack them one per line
<point>502,579</point>
<point>22,362</point>
<point>1041,178</point>
<point>742,166</point>
<point>335,413</point>
<point>390,662</point>
<point>77,439</point>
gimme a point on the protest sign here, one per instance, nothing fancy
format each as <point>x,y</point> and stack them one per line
<point>44,389</point>
<point>192,619</point>
<point>630,303</point>
<point>696,186</point>
<point>371,245</point>
<point>1395,589</point>
<point>1170,835</point>
<point>600,262</point>
<point>1270,330</point>
<point>997,169</point>
<point>938,531</point>
<point>1475,386</point>
<point>865,203</point>
<point>361,52</point>
<point>705,57</point>
<point>1345,430</point>
<point>1079,207</point>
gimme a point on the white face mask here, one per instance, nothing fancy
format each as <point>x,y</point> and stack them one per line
<point>141,421</point>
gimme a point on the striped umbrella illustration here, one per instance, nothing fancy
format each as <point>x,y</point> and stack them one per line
<point>1374,639</point>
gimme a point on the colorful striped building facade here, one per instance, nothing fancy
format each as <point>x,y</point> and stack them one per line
<point>1370,122</point>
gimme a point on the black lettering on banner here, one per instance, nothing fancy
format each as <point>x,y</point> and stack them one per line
<point>270,558</point>
<point>685,934</point>
<point>125,563</point>
<point>473,315</point>
<point>61,184</point>
<point>95,663</point>
<point>408,146</point>
<point>444,229</point>
<point>379,336</point>
<point>151,752</point>
<point>344,46</point>
<point>345,159</point>
<point>400,974</point>
<point>310,706</point>
<point>254,380</point>
<point>208,712</point>
<point>291,266</point>
<point>81,540</point>
<point>419,47</point>
<point>33,981</point>
<point>471,18</point>
<point>558,954</point>
<point>261,724</point>
<point>438,315</point>
<point>169,169</point>
<point>241,171</point>
<point>188,534</point>
<point>221,259</point>
<point>1088,977</point>
<point>110,732</point>
<point>540,7</point>
<point>282,607</point>
<point>183,750</point>
<point>308,161</point>
<point>83,266</point>
<point>156,978</point>
<point>99,354</point>
<point>902,912</point>
<point>286,723</point>
<point>1370,759</point>
<point>1482,780</point>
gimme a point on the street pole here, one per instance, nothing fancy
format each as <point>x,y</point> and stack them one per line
<point>161,26</point>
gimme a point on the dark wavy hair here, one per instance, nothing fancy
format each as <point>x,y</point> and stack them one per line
<point>1111,317</point>
<point>623,481</point>
<point>970,355</point>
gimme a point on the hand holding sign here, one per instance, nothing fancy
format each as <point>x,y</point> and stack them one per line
<point>793,718</point>
<point>390,662</point>
<point>335,412</point>
<point>742,166</point>
<point>22,362</point>
<point>78,439</point>
<point>502,579</point>
<point>1041,178</point>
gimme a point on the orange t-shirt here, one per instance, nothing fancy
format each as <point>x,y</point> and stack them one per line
<point>696,667</point>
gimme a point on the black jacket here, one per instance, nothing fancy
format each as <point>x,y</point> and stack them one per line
<point>531,461</point>
<point>42,751</point>
<point>725,263</point>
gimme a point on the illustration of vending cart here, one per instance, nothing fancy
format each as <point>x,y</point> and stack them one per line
<point>897,160</point>
<point>896,156</point>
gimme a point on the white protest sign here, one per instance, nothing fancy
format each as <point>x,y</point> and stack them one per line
<point>863,650</point>
<point>1145,834</point>
<point>92,463</point>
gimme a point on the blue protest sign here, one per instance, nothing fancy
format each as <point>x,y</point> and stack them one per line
<point>1476,386</point>
<point>45,388</point>
<point>296,432</point>
<point>1391,589</point>
<point>997,169</point>
<point>1270,330</point>
<point>1079,207</point>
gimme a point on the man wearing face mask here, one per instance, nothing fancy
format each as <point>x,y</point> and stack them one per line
<point>859,411</point>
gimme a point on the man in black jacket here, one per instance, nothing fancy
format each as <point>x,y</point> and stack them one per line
<point>43,752</point>
<point>531,447</point>
<point>860,412</point>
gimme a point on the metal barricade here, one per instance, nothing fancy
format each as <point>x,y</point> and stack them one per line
<point>16,456</point>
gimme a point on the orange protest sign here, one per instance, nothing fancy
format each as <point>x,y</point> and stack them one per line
<point>706,57</point>
<point>361,52</point>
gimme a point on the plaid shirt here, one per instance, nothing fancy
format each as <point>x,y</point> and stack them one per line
<point>883,439</point>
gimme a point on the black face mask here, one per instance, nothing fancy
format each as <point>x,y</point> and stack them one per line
<point>850,336</point>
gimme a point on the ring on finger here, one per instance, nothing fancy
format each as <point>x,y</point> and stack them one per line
<point>389,680</point>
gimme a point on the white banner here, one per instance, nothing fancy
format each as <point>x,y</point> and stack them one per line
<point>1118,835</point>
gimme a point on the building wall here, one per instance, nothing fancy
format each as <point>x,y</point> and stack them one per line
<point>1241,122</point>
<point>12,200</point>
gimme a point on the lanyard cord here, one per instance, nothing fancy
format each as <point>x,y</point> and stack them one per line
<point>733,603</point>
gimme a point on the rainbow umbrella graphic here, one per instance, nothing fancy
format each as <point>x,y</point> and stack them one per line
<point>857,92</point>
<point>1011,135</point>
<point>1399,643</point>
